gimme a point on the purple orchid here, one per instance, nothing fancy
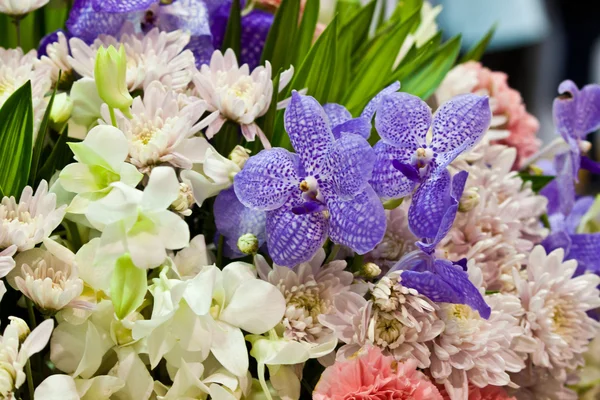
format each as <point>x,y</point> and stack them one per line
<point>405,156</point>
<point>322,190</point>
<point>430,217</point>
<point>234,220</point>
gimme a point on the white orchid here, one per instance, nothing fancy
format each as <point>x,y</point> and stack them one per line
<point>64,387</point>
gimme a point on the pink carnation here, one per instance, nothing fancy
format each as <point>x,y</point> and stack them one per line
<point>507,102</point>
<point>372,375</point>
<point>487,393</point>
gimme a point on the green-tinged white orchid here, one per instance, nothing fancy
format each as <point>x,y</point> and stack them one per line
<point>280,355</point>
<point>110,73</point>
<point>101,162</point>
<point>208,313</point>
<point>86,107</point>
<point>128,287</point>
<point>61,109</point>
<point>590,222</point>
<point>139,223</point>
<point>64,387</point>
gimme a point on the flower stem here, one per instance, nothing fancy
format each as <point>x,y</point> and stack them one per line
<point>113,118</point>
<point>31,313</point>
<point>29,379</point>
<point>17,22</point>
<point>334,251</point>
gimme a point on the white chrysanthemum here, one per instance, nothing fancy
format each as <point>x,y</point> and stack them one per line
<point>31,220</point>
<point>309,290</point>
<point>162,129</point>
<point>16,69</point>
<point>155,56</point>
<point>556,305</point>
<point>48,277</point>
<point>57,58</point>
<point>397,319</point>
<point>20,7</point>
<point>475,350</point>
<point>498,222</point>
<point>398,239</point>
<point>237,94</point>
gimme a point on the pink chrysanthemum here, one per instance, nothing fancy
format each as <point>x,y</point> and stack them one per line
<point>374,376</point>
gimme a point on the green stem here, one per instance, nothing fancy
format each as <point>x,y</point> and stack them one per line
<point>29,379</point>
<point>113,117</point>
<point>31,313</point>
<point>17,22</point>
<point>220,251</point>
<point>334,252</point>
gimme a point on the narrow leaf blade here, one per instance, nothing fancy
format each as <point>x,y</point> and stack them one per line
<point>233,34</point>
<point>477,51</point>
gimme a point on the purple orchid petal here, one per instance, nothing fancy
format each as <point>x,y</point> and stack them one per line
<point>564,181</point>
<point>569,224</point>
<point>552,193</point>
<point>458,125</point>
<point>358,223</point>
<point>309,207</point>
<point>188,15</point>
<point>576,112</point>
<point>351,160</point>
<point>358,126</point>
<point>408,170</point>
<point>308,128</point>
<point>295,238</point>
<point>431,286</point>
<point>387,181</point>
<point>590,165</point>
<point>233,220</point>
<point>429,205</point>
<point>202,48</point>
<point>268,179</point>
<point>87,24</point>
<point>403,120</point>
<point>459,281</point>
<point>585,248</point>
<point>121,6</point>
<point>557,240</point>
<point>373,105</point>
<point>337,114</point>
<point>462,263</point>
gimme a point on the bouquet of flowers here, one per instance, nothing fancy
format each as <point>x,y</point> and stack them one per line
<point>269,199</point>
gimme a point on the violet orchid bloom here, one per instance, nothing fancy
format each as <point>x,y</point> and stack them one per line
<point>234,220</point>
<point>90,18</point>
<point>430,217</point>
<point>406,156</point>
<point>322,190</point>
<point>341,120</point>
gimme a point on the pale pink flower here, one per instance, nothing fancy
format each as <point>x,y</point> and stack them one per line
<point>486,393</point>
<point>510,118</point>
<point>372,375</point>
<point>537,383</point>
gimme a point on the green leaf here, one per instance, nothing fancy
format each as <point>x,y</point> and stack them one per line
<point>306,32</point>
<point>227,138</point>
<point>16,137</point>
<point>343,71</point>
<point>59,152</point>
<point>233,34</point>
<point>393,203</point>
<point>128,287</point>
<point>429,73</point>
<point>347,9</point>
<point>476,52</point>
<point>375,68</point>
<point>280,46</point>
<point>537,181</point>
<point>358,26</point>
<point>41,137</point>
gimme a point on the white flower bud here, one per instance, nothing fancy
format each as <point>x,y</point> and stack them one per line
<point>61,108</point>
<point>248,243</point>
<point>239,155</point>
<point>21,327</point>
<point>370,270</point>
<point>585,146</point>
<point>184,201</point>
<point>469,200</point>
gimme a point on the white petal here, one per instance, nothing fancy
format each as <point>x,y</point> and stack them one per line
<point>229,348</point>
<point>198,293</point>
<point>57,387</point>
<point>37,339</point>
<point>162,189</point>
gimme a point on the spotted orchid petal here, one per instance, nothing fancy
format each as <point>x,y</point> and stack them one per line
<point>268,179</point>
<point>565,185</point>
<point>337,113</point>
<point>188,15</point>
<point>403,120</point>
<point>458,125</point>
<point>576,112</point>
<point>583,247</point>
<point>294,238</point>
<point>459,281</point>
<point>202,48</point>
<point>308,128</point>
<point>373,105</point>
<point>358,223</point>
<point>431,286</point>
<point>233,220</point>
<point>351,161</point>
<point>387,181</point>
<point>121,6</point>
<point>358,126</point>
<point>430,203</point>
<point>86,23</point>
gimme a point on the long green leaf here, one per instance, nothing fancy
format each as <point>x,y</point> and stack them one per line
<point>537,181</point>
<point>358,26</point>
<point>54,160</point>
<point>429,73</point>
<point>279,45</point>
<point>306,32</point>
<point>41,137</point>
<point>233,34</point>
<point>16,137</point>
<point>476,52</point>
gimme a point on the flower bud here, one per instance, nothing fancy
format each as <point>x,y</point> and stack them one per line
<point>370,270</point>
<point>61,108</point>
<point>469,200</point>
<point>21,327</point>
<point>585,146</point>
<point>184,201</point>
<point>110,74</point>
<point>248,243</point>
<point>239,155</point>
